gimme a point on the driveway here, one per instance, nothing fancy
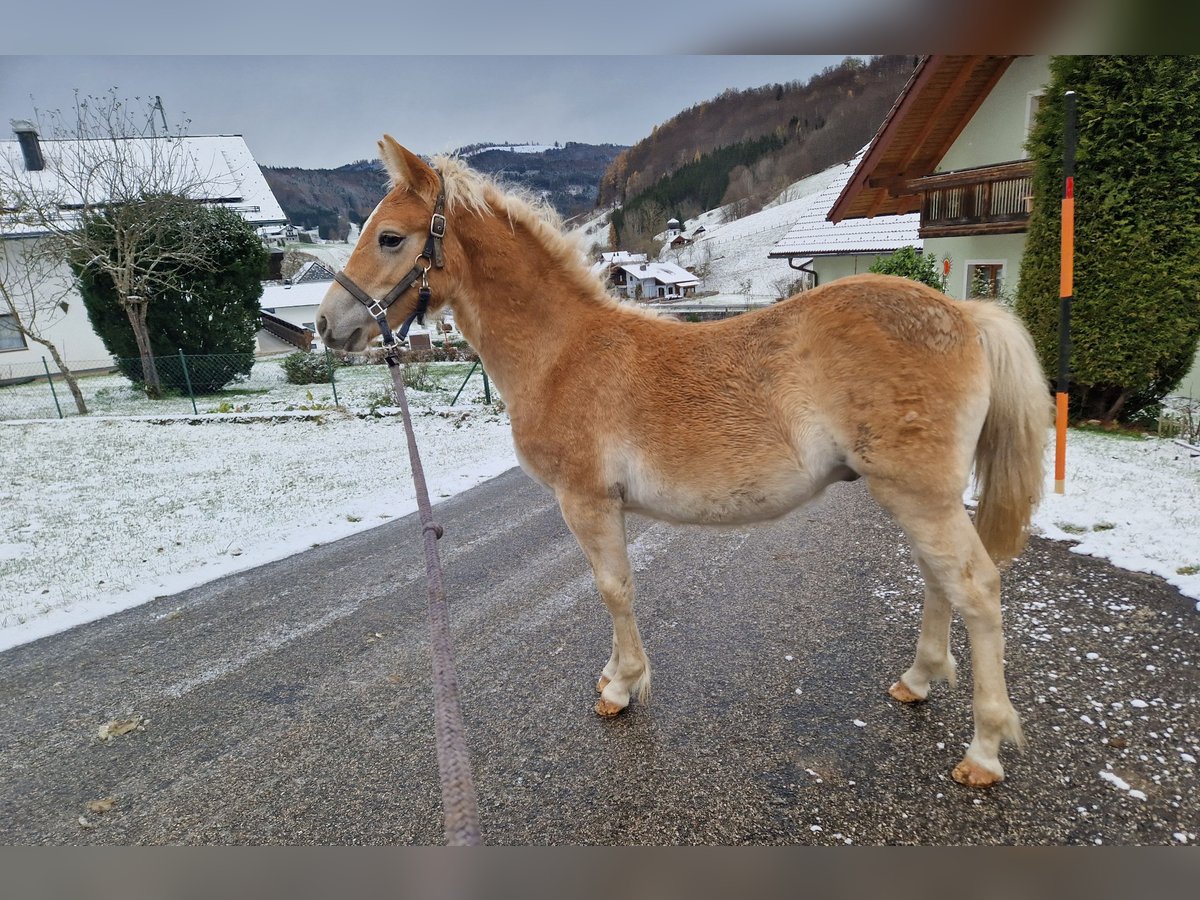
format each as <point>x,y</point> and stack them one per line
<point>291,703</point>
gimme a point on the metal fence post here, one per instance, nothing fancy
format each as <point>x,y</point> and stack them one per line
<point>464,384</point>
<point>187,378</point>
<point>487,388</point>
<point>332,380</point>
<point>50,381</point>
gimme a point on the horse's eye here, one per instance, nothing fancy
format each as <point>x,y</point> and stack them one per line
<point>390,241</point>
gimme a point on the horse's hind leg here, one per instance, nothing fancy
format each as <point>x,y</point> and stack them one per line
<point>934,661</point>
<point>610,668</point>
<point>599,526</point>
<point>954,560</point>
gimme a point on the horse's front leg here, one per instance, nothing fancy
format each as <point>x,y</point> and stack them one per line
<point>599,526</point>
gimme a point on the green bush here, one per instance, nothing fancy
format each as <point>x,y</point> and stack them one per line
<point>1135,319</point>
<point>210,310</point>
<point>418,377</point>
<point>907,262</point>
<point>308,368</point>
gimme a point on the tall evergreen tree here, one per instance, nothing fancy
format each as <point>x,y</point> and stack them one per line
<point>209,308</point>
<point>1136,315</point>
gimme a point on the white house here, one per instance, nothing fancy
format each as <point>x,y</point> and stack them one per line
<point>658,281</point>
<point>826,250</point>
<point>221,166</point>
<point>290,308</point>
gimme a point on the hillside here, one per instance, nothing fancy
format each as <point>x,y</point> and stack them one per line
<point>330,199</point>
<point>746,146</point>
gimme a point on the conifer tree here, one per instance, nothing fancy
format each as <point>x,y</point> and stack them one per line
<point>1136,314</point>
<point>208,308</point>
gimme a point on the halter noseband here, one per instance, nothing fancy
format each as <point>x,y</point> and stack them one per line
<point>432,255</point>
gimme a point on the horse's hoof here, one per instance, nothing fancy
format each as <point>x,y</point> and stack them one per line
<point>607,708</point>
<point>602,684</point>
<point>901,692</point>
<point>974,775</point>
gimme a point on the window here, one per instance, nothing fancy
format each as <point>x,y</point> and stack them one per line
<point>10,335</point>
<point>984,278</point>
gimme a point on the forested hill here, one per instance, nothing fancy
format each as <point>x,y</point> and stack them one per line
<point>330,199</point>
<point>751,144</point>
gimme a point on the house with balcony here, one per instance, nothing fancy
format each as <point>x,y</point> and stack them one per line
<point>952,151</point>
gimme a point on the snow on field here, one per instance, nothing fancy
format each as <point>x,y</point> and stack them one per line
<point>1133,501</point>
<point>104,513</point>
<point>735,252</point>
<point>101,514</point>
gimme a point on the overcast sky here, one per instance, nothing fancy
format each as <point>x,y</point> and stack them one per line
<point>325,111</point>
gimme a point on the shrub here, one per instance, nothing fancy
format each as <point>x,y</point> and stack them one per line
<point>309,368</point>
<point>1135,319</point>
<point>418,377</point>
<point>210,309</point>
<point>907,262</point>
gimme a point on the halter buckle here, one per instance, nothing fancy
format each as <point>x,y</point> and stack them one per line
<point>437,225</point>
<point>376,309</point>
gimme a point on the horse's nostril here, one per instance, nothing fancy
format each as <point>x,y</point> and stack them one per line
<point>322,325</point>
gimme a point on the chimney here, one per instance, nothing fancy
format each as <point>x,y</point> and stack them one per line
<point>27,136</point>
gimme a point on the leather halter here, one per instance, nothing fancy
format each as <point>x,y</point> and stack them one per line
<point>432,255</point>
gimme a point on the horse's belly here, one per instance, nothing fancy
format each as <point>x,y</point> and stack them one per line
<point>738,501</point>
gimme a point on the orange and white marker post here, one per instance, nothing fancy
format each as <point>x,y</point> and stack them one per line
<point>1066,289</point>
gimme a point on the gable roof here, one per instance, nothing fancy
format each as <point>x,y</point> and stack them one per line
<point>665,272</point>
<point>814,235</point>
<point>220,166</point>
<point>313,270</point>
<point>941,96</point>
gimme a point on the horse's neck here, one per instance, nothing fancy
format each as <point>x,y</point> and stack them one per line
<point>521,306</point>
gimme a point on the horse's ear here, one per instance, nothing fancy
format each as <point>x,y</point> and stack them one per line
<point>407,170</point>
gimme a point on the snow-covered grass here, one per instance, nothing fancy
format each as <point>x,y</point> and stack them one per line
<point>266,390</point>
<point>1134,501</point>
<point>101,514</point>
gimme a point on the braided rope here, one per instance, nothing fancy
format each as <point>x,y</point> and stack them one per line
<point>459,806</point>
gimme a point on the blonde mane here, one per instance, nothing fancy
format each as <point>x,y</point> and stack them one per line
<point>479,193</point>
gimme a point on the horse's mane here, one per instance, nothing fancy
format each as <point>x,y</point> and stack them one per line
<point>467,188</point>
<point>480,193</point>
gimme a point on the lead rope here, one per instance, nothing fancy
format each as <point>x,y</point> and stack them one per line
<point>459,805</point>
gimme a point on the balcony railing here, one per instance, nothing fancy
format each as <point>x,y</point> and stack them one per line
<point>989,200</point>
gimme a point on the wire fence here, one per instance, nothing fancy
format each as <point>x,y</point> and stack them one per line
<point>193,384</point>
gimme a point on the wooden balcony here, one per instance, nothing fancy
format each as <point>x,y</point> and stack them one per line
<point>987,200</point>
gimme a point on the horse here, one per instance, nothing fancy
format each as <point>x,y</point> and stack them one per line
<point>619,410</point>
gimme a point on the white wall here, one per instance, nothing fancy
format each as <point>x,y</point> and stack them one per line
<point>71,331</point>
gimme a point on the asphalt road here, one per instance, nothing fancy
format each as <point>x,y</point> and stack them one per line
<point>291,703</point>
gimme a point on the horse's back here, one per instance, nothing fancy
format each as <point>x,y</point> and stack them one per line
<point>750,417</point>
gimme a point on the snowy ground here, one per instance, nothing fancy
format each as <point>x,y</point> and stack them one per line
<point>101,514</point>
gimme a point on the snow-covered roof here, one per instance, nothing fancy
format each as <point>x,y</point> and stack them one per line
<point>619,257</point>
<point>616,258</point>
<point>313,270</point>
<point>284,296</point>
<point>813,235</point>
<point>666,272</point>
<point>219,169</point>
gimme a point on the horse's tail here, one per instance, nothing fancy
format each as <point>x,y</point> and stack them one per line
<point>1009,456</point>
